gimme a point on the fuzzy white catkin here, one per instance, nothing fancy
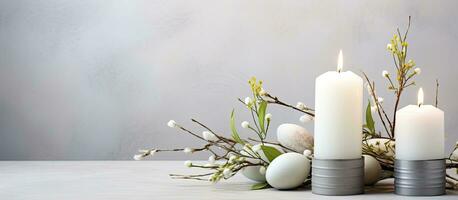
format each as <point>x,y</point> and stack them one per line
<point>389,46</point>
<point>232,159</point>
<point>373,108</point>
<point>211,159</point>
<point>187,150</point>
<point>247,100</point>
<point>227,173</point>
<point>152,152</point>
<point>305,118</point>
<point>262,170</point>
<point>245,124</point>
<point>300,105</point>
<point>268,116</point>
<point>172,124</point>
<point>307,152</point>
<point>188,163</point>
<point>256,148</point>
<point>209,136</point>
<point>138,157</point>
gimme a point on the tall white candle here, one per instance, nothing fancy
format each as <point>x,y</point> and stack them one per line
<point>338,114</point>
<point>419,132</point>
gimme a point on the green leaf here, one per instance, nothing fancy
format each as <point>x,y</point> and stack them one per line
<point>235,135</point>
<point>369,120</point>
<point>260,186</point>
<point>270,152</point>
<point>261,117</point>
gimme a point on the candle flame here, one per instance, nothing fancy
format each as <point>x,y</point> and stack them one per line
<point>340,62</point>
<point>420,97</point>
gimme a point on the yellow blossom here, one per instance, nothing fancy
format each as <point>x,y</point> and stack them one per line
<point>256,86</point>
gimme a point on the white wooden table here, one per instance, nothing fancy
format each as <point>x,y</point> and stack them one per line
<point>81,180</point>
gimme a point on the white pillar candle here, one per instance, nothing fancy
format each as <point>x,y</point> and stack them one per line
<point>338,114</point>
<point>419,132</point>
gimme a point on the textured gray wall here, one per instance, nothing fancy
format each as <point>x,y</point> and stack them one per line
<point>94,79</point>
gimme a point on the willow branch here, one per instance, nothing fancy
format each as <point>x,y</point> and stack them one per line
<point>371,86</point>
<point>396,105</point>
<point>191,175</point>
<point>186,177</point>
<point>214,133</point>
<point>274,143</point>
<point>214,143</point>
<point>277,101</point>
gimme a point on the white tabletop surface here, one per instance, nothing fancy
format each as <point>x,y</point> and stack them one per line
<point>134,180</point>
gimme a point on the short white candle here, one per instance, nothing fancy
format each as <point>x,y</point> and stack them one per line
<point>338,114</point>
<point>419,132</point>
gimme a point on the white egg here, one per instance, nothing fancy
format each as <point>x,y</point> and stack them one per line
<point>294,137</point>
<point>252,172</point>
<point>288,171</point>
<point>372,170</point>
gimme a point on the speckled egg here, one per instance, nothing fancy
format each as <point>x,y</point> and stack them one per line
<point>294,137</point>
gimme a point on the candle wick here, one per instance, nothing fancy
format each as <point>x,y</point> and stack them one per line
<point>419,105</point>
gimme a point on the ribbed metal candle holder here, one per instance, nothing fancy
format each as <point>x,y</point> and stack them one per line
<point>337,177</point>
<point>419,177</point>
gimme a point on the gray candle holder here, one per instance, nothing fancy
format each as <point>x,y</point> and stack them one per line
<point>335,177</point>
<point>419,177</point>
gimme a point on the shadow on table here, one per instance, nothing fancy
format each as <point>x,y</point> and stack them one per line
<point>379,188</point>
<point>383,187</point>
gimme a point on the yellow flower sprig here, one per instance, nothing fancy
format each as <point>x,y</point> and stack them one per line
<point>405,72</point>
<point>256,86</point>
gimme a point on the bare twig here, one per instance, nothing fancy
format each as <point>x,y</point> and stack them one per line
<point>437,93</point>
<point>371,86</point>
<point>408,28</point>
<point>214,133</point>
<point>451,165</point>
<point>275,100</point>
<point>192,175</point>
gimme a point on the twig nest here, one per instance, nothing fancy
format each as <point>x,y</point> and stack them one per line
<point>382,146</point>
<point>454,155</point>
<point>288,171</point>
<point>255,173</point>
<point>294,137</point>
<point>372,170</point>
